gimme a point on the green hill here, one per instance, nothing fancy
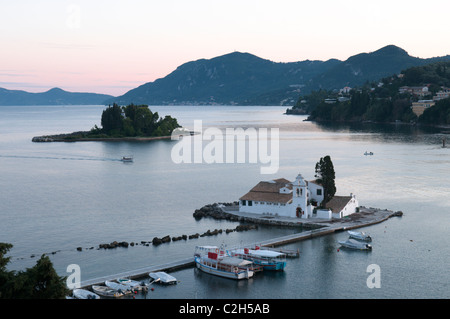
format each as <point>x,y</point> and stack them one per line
<point>387,100</point>
<point>245,79</point>
<point>235,78</point>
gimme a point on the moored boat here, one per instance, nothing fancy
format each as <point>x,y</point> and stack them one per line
<point>106,291</point>
<point>269,260</point>
<point>84,294</point>
<point>359,235</point>
<point>132,284</point>
<point>355,245</point>
<point>118,287</point>
<point>163,278</point>
<point>220,265</point>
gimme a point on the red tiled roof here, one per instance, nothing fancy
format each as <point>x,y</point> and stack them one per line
<point>269,192</point>
<point>337,203</point>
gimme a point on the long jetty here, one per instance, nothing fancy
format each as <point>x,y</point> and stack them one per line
<point>365,217</point>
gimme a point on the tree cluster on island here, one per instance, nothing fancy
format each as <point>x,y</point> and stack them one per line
<point>382,101</point>
<point>133,121</point>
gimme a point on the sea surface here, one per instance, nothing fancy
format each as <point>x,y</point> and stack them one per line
<point>55,197</point>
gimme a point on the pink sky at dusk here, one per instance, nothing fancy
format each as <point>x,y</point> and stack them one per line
<point>111,46</point>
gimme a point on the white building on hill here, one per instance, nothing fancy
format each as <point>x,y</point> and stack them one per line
<point>300,198</point>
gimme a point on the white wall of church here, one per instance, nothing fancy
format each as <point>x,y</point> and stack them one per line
<point>313,189</point>
<point>266,208</point>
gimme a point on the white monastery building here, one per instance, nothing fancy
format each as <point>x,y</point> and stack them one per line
<point>300,199</point>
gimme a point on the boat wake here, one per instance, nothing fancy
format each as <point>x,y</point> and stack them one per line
<point>63,158</point>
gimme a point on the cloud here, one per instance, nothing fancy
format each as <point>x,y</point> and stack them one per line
<point>66,46</point>
<point>14,73</point>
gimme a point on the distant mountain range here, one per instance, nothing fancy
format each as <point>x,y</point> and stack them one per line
<point>245,79</point>
<point>54,96</point>
<point>241,79</point>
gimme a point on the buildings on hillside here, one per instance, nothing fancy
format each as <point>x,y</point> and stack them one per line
<point>300,199</point>
<point>422,91</point>
<point>420,106</point>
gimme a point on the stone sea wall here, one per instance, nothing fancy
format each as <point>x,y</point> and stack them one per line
<point>217,212</point>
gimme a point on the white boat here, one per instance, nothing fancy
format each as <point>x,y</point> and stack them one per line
<point>118,287</point>
<point>355,245</point>
<point>127,158</point>
<point>163,278</point>
<point>84,294</point>
<point>132,284</point>
<point>216,263</point>
<point>268,259</point>
<point>106,291</point>
<point>359,235</point>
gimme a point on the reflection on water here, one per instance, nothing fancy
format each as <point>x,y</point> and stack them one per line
<point>59,196</point>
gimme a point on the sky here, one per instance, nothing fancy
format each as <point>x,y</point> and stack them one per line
<point>112,46</point>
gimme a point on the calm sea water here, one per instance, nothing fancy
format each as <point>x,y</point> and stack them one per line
<point>55,197</point>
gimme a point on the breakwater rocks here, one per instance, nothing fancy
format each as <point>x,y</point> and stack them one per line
<point>215,211</point>
<point>167,239</point>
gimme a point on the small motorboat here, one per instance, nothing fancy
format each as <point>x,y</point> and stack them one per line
<point>84,294</point>
<point>268,259</point>
<point>368,153</point>
<point>359,235</point>
<point>162,278</point>
<point>127,158</point>
<point>118,287</point>
<point>355,245</point>
<point>132,284</point>
<point>106,291</point>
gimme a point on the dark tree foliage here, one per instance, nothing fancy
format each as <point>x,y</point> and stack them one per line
<point>381,101</point>
<point>112,119</point>
<point>325,176</point>
<point>135,120</point>
<point>439,114</point>
<point>38,282</point>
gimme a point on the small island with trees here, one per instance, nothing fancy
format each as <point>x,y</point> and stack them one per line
<point>131,122</point>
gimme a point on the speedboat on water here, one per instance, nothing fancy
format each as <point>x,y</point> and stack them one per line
<point>359,235</point>
<point>127,158</point>
<point>355,245</point>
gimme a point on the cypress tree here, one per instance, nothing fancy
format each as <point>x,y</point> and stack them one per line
<point>325,176</point>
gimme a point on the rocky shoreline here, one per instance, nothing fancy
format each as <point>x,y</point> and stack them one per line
<point>83,136</point>
<point>217,211</point>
